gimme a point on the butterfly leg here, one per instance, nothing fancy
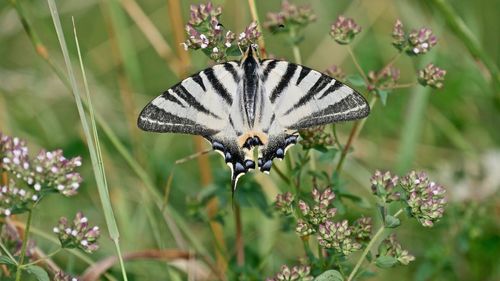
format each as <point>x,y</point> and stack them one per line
<point>276,148</point>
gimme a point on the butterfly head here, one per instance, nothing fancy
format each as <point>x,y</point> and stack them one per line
<point>252,51</point>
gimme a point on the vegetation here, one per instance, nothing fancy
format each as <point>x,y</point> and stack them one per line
<point>411,192</point>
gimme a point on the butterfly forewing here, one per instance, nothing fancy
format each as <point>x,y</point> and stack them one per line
<point>199,105</point>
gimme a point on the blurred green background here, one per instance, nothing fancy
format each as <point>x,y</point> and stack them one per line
<point>453,133</point>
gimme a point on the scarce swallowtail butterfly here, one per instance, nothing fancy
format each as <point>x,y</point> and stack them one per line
<point>237,106</point>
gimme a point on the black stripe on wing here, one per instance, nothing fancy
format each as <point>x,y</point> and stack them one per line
<point>332,89</point>
<point>352,107</point>
<point>183,93</point>
<point>228,66</point>
<point>155,119</point>
<point>269,67</point>
<point>285,80</point>
<point>320,84</point>
<point>303,73</point>
<point>197,78</point>
<point>217,85</point>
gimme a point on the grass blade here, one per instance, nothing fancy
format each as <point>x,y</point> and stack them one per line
<point>93,142</point>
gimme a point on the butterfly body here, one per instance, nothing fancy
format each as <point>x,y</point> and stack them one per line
<point>253,103</point>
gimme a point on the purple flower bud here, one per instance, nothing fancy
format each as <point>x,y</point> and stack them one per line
<point>297,273</point>
<point>336,72</point>
<point>421,41</point>
<point>344,30</point>
<point>289,17</point>
<point>78,234</point>
<point>399,36</point>
<point>432,76</point>
<point>425,198</point>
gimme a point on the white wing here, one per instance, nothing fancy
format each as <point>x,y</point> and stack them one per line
<point>302,97</point>
<point>198,105</point>
<point>299,97</point>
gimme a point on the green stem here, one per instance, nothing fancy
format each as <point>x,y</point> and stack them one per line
<point>307,248</point>
<point>7,252</point>
<point>356,63</point>
<point>372,242</point>
<point>24,245</point>
<point>458,26</point>
<point>295,47</point>
<point>353,135</point>
<point>255,17</point>
<point>120,259</point>
<point>42,259</point>
<point>281,175</point>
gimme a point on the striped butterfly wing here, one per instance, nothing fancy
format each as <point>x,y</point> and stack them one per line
<point>300,97</point>
<point>198,105</point>
<point>204,104</point>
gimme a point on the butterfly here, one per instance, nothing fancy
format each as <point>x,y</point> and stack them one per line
<point>238,106</point>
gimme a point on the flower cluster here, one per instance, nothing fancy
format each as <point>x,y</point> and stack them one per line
<point>78,234</point>
<point>344,30</point>
<point>384,186</point>
<point>63,276</point>
<point>416,42</point>
<point>318,214</point>
<point>425,198</point>
<point>284,203</point>
<point>205,32</point>
<point>432,76</point>
<point>336,71</point>
<point>391,247</point>
<point>386,78</point>
<point>315,136</point>
<point>362,228</point>
<point>290,16</point>
<point>249,36</point>
<point>29,179</point>
<point>338,236</point>
<point>297,273</point>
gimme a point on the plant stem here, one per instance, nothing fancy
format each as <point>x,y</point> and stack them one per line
<point>399,86</point>
<point>7,252</point>
<point>281,175</point>
<point>307,248</point>
<point>389,64</point>
<point>356,63</point>
<point>353,135</point>
<point>42,259</point>
<point>372,242</point>
<point>240,245</point>
<point>295,47</point>
<point>462,31</point>
<point>255,17</point>
<point>23,247</point>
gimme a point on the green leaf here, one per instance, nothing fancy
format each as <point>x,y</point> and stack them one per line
<point>383,96</point>
<point>356,80</point>
<point>233,51</point>
<point>38,272</point>
<point>6,260</point>
<point>385,261</point>
<point>391,221</point>
<point>330,275</point>
<point>328,156</point>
